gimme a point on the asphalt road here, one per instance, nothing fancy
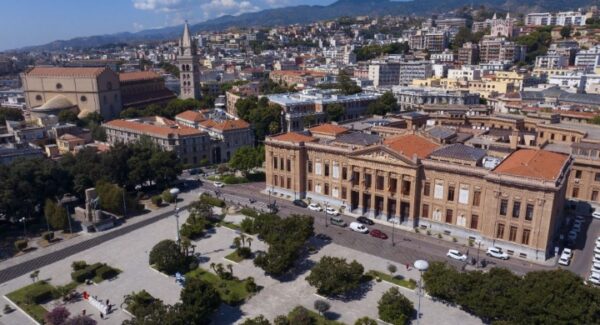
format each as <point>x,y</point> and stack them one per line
<point>406,248</point>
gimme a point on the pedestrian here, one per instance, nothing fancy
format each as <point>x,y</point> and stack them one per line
<point>101,315</point>
<point>407,266</point>
<point>107,302</point>
<point>83,312</point>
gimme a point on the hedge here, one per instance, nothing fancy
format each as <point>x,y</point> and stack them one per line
<point>39,294</point>
<point>87,273</point>
<point>106,272</point>
<point>21,244</point>
<point>249,212</point>
<point>205,198</point>
<point>48,235</point>
<point>156,200</point>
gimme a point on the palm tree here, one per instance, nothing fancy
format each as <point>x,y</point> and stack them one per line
<point>249,241</point>
<point>213,267</point>
<point>243,239</point>
<point>237,242</point>
<point>230,268</point>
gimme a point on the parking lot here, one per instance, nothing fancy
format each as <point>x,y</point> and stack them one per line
<point>583,249</point>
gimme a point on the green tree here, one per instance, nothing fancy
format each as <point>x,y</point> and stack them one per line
<point>246,158</point>
<point>346,85</point>
<point>394,308</point>
<point>68,116</point>
<point>321,306</point>
<point>114,199</point>
<point>335,112</point>
<point>387,103</point>
<point>167,257</point>
<point>566,31</point>
<point>595,120</point>
<point>333,276</point>
<point>365,321</point>
<point>199,300</point>
<point>57,215</point>
<point>258,320</point>
<point>537,42</point>
<point>10,114</point>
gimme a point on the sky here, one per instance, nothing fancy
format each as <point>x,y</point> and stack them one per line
<point>35,22</point>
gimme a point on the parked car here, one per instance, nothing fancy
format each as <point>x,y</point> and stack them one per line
<point>323,237</point>
<point>597,241</point>
<point>568,252</point>
<point>596,215</point>
<point>358,227</point>
<point>219,184</point>
<point>596,259</point>
<point>300,203</point>
<point>594,278</point>
<point>576,227</point>
<point>332,211</point>
<point>496,252</point>
<point>365,220</point>
<point>378,234</point>
<point>596,267</point>
<point>314,207</point>
<point>564,259</point>
<point>456,255</point>
<point>597,250</point>
<point>338,221</point>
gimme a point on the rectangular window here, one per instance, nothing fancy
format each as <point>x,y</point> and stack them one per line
<point>335,192</point>
<point>355,178</point>
<point>318,188</point>
<point>336,171</point>
<point>516,212</point>
<point>450,193</point>
<point>405,187</point>
<point>318,168</point>
<point>344,172</point>
<point>575,192</point>
<point>503,207</point>
<point>476,198</point>
<point>326,189</point>
<point>289,165</point>
<point>529,212</point>
<point>274,162</point>
<point>438,191</point>
<point>425,213</point>
<point>309,186</point>
<point>525,237</point>
<point>474,221</point>
<point>578,174</point>
<point>281,163</point>
<point>275,180</point>
<point>379,183</point>
<point>309,166</point>
<point>289,183</point>
<point>500,231</point>
<point>463,195</point>
<point>343,193</point>
<point>512,235</point>
<point>594,195</point>
<point>393,185</point>
<point>448,216</point>
<point>367,181</point>
<point>326,169</point>
<point>597,177</point>
<point>426,188</point>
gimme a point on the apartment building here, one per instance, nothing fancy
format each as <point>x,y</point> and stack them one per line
<point>551,61</point>
<point>468,54</point>
<point>384,73</point>
<point>412,70</point>
<point>563,18</point>
<point>500,49</point>
<point>413,98</point>
<point>416,182</point>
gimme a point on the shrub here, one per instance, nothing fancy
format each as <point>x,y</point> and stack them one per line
<point>106,272</point>
<point>334,276</point>
<point>249,212</point>
<point>57,316</point>
<point>206,198</point>
<point>48,235</point>
<point>300,316</point>
<point>244,252</point>
<point>168,197</point>
<point>365,321</point>
<point>78,265</point>
<point>39,293</point>
<point>251,285</point>
<point>247,225</point>
<point>281,320</point>
<point>321,306</point>
<point>394,308</point>
<point>439,236</point>
<point>87,273</point>
<point>167,257</point>
<point>21,244</point>
<point>157,200</point>
<point>471,242</point>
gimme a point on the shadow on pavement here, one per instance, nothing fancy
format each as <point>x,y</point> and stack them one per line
<point>227,314</point>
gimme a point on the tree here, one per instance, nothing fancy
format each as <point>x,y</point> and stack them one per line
<point>56,215</point>
<point>246,158</point>
<point>387,103</point>
<point>167,257</point>
<point>57,316</point>
<point>333,276</point>
<point>365,321</point>
<point>34,275</point>
<point>159,314</point>
<point>199,300</point>
<point>68,116</point>
<point>258,320</point>
<point>565,31</point>
<point>392,268</point>
<point>321,306</point>
<point>394,308</point>
<point>113,198</point>
<point>595,120</point>
<point>140,303</point>
<point>300,316</point>
<point>335,112</point>
<point>346,85</point>
<point>10,114</point>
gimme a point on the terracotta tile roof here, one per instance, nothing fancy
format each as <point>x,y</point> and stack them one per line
<point>138,75</point>
<point>65,72</point>
<point>530,163</point>
<point>411,144</point>
<point>294,137</point>
<point>328,129</point>
<point>231,125</point>
<point>69,137</point>
<point>192,116</point>
<point>298,73</point>
<point>170,128</point>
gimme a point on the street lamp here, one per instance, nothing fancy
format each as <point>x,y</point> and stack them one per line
<point>175,191</point>
<point>326,206</point>
<point>422,266</point>
<point>393,231</point>
<point>24,226</point>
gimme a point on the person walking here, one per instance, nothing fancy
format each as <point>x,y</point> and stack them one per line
<point>101,315</point>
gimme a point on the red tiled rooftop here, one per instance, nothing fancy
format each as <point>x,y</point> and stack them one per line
<point>65,72</point>
<point>540,164</point>
<point>411,144</point>
<point>328,129</point>
<point>169,128</point>
<point>293,137</point>
<point>192,116</point>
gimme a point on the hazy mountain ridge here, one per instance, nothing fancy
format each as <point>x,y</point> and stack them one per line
<point>307,14</point>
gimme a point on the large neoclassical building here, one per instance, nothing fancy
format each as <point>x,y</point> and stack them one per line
<point>513,199</point>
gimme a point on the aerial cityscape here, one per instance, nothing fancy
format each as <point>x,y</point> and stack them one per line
<point>300,162</point>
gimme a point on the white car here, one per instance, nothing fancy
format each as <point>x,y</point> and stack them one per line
<point>454,254</point>
<point>596,267</point>
<point>219,184</point>
<point>596,259</point>
<point>564,260</point>
<point>315,207</point>
<point>594,278</point>
<point>358,227</point>
<point>568,252</point>
<point>496,252</point>
<point>332,211</point>
<point>597,241</point>
<point>597,250</point>
<point>596,215</point>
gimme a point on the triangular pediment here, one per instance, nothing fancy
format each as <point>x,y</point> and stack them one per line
<point>381,153</point>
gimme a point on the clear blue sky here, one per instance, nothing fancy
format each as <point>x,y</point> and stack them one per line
<point>34,22</point>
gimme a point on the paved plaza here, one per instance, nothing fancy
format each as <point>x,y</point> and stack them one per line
<point>129,253</point>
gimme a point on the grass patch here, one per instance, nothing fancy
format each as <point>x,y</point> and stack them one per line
<point>232,292</point>
<point>235,257</point>
<point>229,225</point>
<point>30,297</point>
<point>410,283</point>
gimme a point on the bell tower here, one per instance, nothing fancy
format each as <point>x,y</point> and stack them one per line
<point>189,71</point>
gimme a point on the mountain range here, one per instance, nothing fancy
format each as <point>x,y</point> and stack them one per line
<point>307,14</point>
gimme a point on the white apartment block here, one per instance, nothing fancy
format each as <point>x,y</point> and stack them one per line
<point>551,61</point>
<point>589,59</point>
<point>465,73</point>
<point>563,18</point>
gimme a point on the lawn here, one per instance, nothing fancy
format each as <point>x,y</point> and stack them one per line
<point>229,225</point>
<point>410,284</point>
<point>232,292</point>
<point>29,298</point>
<point>234,257</point>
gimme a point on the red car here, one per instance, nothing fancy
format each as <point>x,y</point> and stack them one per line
<point>378,234</point>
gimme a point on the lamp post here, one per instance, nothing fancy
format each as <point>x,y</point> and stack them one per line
<point>393,231</point>
<point>24,226</point>
<point>175,191</point>
<point>326,206</point>
<point>422,266</point>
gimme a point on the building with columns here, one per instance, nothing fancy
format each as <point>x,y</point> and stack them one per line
<point>189,69</point>
<point>414,181</point>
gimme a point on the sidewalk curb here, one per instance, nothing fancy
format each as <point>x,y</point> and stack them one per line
<point>21,310</point>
